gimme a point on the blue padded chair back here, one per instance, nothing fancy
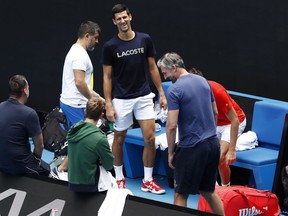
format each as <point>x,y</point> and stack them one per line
<point>268,122</point>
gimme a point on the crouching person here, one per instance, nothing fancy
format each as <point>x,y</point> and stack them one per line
<point>88,148</point>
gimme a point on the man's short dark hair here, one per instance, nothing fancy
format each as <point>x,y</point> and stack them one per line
<point>119,8</point>
<point>17,84</point>
<point>88,27</point>
<point>196,71</point>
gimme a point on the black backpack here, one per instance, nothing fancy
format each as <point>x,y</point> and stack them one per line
<point>54,130</point>
<point>104,126</point>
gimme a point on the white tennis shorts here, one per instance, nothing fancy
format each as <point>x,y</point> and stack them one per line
<point>141,107</point>
<point>223,132</point>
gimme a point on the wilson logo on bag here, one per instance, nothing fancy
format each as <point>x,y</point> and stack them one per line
<point>251,211</point>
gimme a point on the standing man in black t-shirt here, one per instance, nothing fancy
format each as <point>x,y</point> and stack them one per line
<point>17,124</point>
<point>128,58</point>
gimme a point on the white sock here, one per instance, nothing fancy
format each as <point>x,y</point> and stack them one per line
<point>148,171</point>
<point>119,172</point>
<point>226,184</point>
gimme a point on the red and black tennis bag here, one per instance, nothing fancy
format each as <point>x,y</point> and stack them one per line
<point>244,201</point>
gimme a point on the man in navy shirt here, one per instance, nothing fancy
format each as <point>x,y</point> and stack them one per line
<point>17,124</point>
<point>128,59</point>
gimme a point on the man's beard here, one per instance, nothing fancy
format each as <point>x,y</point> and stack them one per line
<point>90,48</point>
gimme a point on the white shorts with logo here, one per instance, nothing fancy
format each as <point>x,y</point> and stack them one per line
<point>223,132</point>
<point>141,107</point>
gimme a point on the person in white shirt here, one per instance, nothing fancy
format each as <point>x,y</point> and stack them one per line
<point>77,79</point>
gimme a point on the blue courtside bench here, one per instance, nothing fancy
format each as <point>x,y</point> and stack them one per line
<point>268,123</point>
<point>265,117</point>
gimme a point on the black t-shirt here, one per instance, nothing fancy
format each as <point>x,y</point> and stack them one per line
<point>129,60</point>
<point>17,123</point>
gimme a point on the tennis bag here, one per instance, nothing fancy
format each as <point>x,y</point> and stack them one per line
<point>244,201</point>
<point>54,130</point>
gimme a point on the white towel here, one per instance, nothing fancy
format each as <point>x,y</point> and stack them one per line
<point>106,180</point>
<point>161,141</point>
<point>114,202</point>
<point>247,141</point>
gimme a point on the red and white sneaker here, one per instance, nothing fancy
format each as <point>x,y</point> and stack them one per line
<point>152,186</point>
<point>121,183</point>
